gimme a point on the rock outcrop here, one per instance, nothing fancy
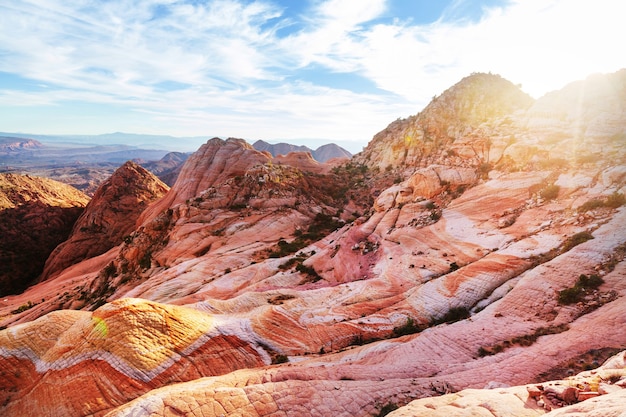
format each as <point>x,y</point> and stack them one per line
<point>110,216</point>
<point>601,391</point>
<point>36,214</point>
<point>478,258</point>
<point>117,353</point>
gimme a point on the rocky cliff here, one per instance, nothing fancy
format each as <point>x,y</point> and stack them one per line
<point>459,251</point>
<point>36,214</point>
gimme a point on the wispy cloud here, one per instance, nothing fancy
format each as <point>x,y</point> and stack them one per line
<point>228,67</point>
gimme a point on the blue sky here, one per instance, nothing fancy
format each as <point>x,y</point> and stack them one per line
<point>338,70</point>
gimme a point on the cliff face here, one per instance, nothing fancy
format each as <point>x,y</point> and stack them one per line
<point>482,256</point>
<point>36,214</point>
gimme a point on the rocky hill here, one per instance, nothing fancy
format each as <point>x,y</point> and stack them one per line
<point>36,214</point>
<point>476,244</point>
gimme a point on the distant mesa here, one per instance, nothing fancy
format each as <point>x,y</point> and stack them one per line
<point>10,144</point>
<point>478,243</point>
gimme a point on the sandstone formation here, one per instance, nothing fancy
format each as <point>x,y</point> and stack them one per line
<point>131,345</point>
<point>36,214</point>
<point>601,391</point>
<point>459,251</point>
<point>108,218</point>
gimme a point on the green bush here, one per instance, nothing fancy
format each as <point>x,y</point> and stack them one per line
<point>387,408</point>
<point>454,314</point>
<point>580,289</point>
<point>280,358</point>
<point>410,327</point>
<point>576,240</point>
<point>570,295</point>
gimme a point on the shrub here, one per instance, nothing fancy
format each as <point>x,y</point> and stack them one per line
<point>23,307</point>
<point>576,240</point>
<point>591,205</point>
<point>454,314</point>
<point>387,408</point>
<point>410,327</point>
<point>580,289</point>
<point>589,282</point>
<point>570,295</point>
<point>616,200</point>
<point>550,192</point>
<point>280,358</point>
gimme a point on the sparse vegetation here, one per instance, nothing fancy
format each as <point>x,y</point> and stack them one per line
<point>23,307</point>
<point>524,340</point>
<point>280,298</point>
<point>453,315</point>
<point>576,240</point>
<point>615,200</point>
<point>280,358</point>
<point>550,192</point>
<point>387,408</point>
<point>322,225</point>
<point>580,289</point>
<point>410,327</point>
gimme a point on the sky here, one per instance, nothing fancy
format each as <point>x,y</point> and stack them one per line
<point>280,70</point>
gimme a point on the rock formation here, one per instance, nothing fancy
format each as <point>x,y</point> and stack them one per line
<point>108,218</point>
<point>36,214</point>
<point>457,252</point>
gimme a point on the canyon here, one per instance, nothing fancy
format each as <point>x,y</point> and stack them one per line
<point>470,261</point>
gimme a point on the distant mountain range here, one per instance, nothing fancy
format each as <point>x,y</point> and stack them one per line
<point>321,154</point>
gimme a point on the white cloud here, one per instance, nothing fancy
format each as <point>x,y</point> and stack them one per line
<point>239,77</point>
